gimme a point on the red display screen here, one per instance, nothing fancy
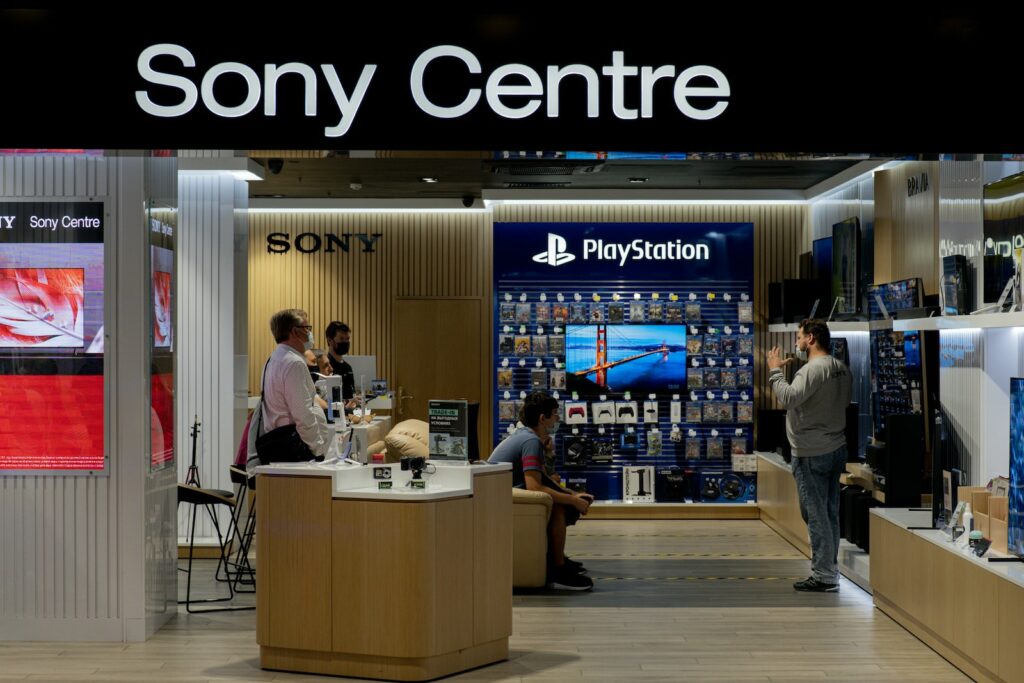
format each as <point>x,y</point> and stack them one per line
<point>52,337</point>
<point>51,422</point>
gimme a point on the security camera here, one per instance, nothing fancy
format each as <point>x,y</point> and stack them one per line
<point>467,201</point>
<point>275,165</point>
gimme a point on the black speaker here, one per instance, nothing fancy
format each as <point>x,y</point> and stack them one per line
<point>771,432</point>
<point>790,301</point>
<point>862,505</point>
<point>956,285</point>
<point>670,485</point>
<point>998,271</point>
<point>904,460</point>
<point>473,417</point>
<point>846,504</point>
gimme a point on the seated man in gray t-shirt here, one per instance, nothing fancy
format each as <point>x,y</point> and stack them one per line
<point>525,451</point>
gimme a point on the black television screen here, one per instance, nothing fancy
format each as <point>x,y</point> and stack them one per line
<point>846,264</point>
<point>637,358</point>
<point>1016,522</point>
<point>821,258</point>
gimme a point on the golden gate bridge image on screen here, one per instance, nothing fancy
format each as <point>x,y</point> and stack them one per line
<point>596,367</point>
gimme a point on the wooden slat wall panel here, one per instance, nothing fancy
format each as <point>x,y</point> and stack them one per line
<point>419,255</point>
<point>907,236</point>
<point>781,233</point>
<point>58,534</point>
<point>288,153</point>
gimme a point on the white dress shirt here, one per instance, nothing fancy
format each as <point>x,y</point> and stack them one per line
<point>288,399</point>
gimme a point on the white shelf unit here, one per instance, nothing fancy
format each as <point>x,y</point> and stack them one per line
<point>962,322</point>
<point>838,326</point>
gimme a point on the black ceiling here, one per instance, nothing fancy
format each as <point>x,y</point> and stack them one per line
<point>388,178</point>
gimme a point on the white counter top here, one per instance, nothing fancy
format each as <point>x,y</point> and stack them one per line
<point>363,482</point>
<point>905,517</point>
<point>1011,571</point>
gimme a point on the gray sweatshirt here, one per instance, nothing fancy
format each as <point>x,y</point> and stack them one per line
<point>815,405</point>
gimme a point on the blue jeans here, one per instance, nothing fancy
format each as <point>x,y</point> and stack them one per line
<point>817,485</point>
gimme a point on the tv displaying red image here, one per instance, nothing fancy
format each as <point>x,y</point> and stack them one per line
<point>161,309</point>
<point>42,308</point>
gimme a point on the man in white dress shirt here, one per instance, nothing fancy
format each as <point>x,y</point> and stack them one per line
<point>288,392</point>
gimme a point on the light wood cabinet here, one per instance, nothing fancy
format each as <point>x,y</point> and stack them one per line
<point>383,589</point>
<point>970,615</point>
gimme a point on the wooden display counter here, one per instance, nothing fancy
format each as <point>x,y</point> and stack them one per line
<point>965,608</point>
<point>395,585</point>
<point>777,498</point>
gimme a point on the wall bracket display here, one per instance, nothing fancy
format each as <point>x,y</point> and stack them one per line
<point>626,351</point>
<point>52,337</point>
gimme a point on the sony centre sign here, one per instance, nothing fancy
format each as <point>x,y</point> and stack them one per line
<point>176,83</point>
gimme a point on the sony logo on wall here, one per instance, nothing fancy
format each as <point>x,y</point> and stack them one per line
<point>311,242</point>
<point>557,253</point>
<point>511,91</point>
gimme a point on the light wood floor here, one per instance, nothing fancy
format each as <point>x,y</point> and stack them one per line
<point>674,600</point>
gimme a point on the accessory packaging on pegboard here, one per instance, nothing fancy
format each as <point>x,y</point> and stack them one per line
<point>650,359</point>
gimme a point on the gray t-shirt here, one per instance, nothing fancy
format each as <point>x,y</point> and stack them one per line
<point>815,405</point>
<point>523,449</point>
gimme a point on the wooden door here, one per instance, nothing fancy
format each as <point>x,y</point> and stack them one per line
<point>439,354</point>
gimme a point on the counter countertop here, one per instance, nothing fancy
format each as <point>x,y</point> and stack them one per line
<point>362,482</point>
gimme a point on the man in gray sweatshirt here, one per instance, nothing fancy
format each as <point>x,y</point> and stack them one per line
<point>815,404</point>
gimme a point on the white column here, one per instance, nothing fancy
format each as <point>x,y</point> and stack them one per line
<point>212,379</point>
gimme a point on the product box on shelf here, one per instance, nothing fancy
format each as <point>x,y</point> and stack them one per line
<point>638,484</point>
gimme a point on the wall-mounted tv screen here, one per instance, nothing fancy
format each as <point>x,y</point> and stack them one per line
<point>42,308</point>
<point>1016,523</point>
<point>846,264</point>
<point>637,358</point>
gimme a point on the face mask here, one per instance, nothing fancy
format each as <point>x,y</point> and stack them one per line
<point>341,348</point>
<point>308,345</point>
<point>802,355</point>
<point>553,429</point>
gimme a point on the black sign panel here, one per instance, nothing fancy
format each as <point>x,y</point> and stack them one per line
<point>636,79</point>
<point>51,222</point>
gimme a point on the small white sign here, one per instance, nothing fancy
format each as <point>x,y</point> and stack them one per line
<point>543,297</point>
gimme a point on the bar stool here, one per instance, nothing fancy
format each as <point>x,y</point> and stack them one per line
<point>244,572</point>
<point>210,499</point>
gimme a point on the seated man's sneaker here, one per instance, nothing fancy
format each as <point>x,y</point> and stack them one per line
<point>565,579</point>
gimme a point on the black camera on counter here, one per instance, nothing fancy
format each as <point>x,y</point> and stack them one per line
<point>415,463</point>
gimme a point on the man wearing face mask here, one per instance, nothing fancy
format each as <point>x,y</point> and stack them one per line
<point>815,403</point>
<point>339,339</point>
<point>524,449</point>
<point>287,389</point>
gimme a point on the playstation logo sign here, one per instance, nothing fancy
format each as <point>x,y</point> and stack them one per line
<point>556,255</point>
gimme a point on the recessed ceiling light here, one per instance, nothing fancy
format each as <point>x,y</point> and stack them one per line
<point>637,180</point>
<point>428,179</point>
